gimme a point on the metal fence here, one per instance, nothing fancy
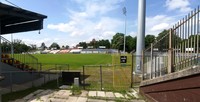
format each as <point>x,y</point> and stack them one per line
<point>155,60</point>
<point>50,66</point>
<point>107,77</point>
<point>186,41</point>
<point>20,80</point>
<point>17,58</point>
<point>177,49</point>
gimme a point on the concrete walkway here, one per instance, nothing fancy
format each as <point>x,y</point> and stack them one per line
<point>85,96</point>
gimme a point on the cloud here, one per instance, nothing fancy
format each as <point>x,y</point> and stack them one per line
<point>38,42</point>
<point>160,26</point>
<point>132,33</point>
<point>181,5</point>
<point>156,24</point>
<point>91,19</point>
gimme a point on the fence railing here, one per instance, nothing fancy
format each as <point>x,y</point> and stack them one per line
<point>21,80</point>
<point>8,52</point>
<point>175,50</point>
<point>186,41</point>
<point>51,66</point>
<point>107,77</point>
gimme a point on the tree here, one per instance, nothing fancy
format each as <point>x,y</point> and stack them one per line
<point>33,47</point>
<point>163,39</point>
<point>148,40</point>
<point>94,43</point>
<point>83,44</point>
<point>67,46</point>
<point>105,43</point>
<point>191,42</point>
<point>43,46</point>
<point>130,43</point>
<point>20,47</point>
<point>54,46</point>
<point>117,41</point>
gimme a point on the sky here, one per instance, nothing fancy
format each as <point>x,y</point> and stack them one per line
<point>72,21</point>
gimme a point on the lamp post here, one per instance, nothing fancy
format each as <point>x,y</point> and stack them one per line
<point>124,12</point>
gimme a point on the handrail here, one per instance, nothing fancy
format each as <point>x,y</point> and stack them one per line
<point>24,58</point>
<point>179,46</point>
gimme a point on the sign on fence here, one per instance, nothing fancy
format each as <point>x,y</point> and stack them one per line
<point>123,59</point>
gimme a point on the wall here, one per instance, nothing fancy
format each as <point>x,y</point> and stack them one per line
<point>175,87</point>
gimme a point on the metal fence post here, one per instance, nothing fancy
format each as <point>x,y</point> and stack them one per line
<point>170,54</point>
<point>83,77</point>
<point>155,75</point>
<point>11,82</point>
<point>57,78</point>
<point>0,97</point>
<point>49,75</point>
<point>132,72</point>
<point>101,77</point>
<point>32,78</point>
<point>151,70</point>
<point>44,77</point>
<point>142,65</point>
<point>40,66</point>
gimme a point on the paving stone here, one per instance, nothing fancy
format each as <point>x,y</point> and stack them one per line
<point>60,92</point>
<point>65,87</point>
<point>110,95</point>
<point>135,95</point>
<point>72,99</point>
<point>101,94</point>
<point>137,101</point>
<point>84,93</point>
<point>29,96</point>
<point>63,94</point>
<point>20,100</point>
<point>35,100</point>
<point>118,95</point>
<point>92,93</point>
<point>45,98</point>
<point>126,96</point>
<point>81,99</point>
<point>56,100</point>
<point>95,100</point>
<point>38,91</point>
<point>45,92</point>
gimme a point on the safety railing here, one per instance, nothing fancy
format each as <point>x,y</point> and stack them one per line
<point>12,55</point>
<point>107,77</point>
<point>155,58</point>
<point>175,49</point>
<point>186,41</point>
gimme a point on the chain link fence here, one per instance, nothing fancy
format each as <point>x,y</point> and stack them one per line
<point>107,77</point>
<point>20,80</point>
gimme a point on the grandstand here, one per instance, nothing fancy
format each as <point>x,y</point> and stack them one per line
<point>45,51</point>
<point>75,51</point>
<point>78,51</point>
<point>54,51</point>
<point>16,20</point>
<point>64,51</point>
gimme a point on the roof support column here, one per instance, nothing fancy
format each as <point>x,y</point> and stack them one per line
<point>0,50</point>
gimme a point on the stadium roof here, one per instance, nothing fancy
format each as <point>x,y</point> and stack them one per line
<point>15,20</point>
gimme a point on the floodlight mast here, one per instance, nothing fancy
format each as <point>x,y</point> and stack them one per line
<point>124,12</point>
<point>141,33</point>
